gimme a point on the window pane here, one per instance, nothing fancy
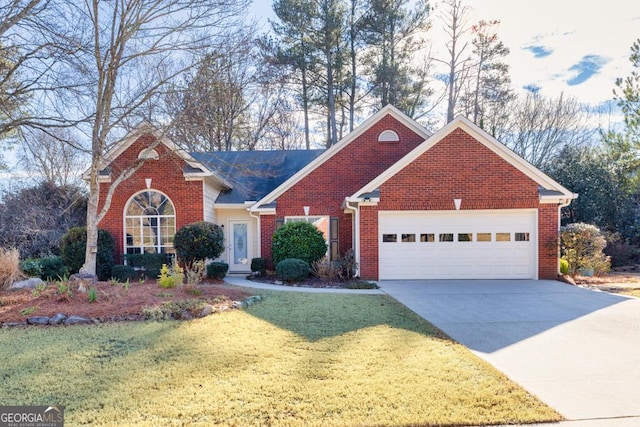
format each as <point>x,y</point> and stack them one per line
<point>389,237</point>
<point>427,237</point>
<point>522,237</point>
<point>446,237</point>
<point>408,237</point>
<point>483,237</point>
<point>465,237</point>
<point>503,237</point>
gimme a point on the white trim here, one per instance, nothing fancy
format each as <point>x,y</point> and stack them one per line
<point>124,216</point>
<point>484,138</point>
<point>388,136</point>
<point>330,152</point>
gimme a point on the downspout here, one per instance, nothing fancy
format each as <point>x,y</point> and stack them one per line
<point>356,234</point>
<point>563,204</point>
<point>259,231</point>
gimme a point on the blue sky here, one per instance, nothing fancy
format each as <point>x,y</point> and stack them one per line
<point>569,46</point>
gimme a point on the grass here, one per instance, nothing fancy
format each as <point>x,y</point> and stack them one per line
<point>295,359</point>
<point>630,292</point>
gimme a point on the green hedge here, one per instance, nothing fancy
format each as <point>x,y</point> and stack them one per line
<point>299,240</point>
<point>199,241</point>
<point>73,246</point>
<point>259,265</point>
<point>122,273</point>
<point>217,270</point>
<point>52,268</point>
<point>292,270</point>
<point>149,265</point>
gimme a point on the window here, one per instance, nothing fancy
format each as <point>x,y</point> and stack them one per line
<point>389,238</point>
<point>465,237</point>
<point>150,223</point>
<point>483,237</point>
<point>408,237</point>
<point>503,237</point>
<point>427,237</point>
<point>522,237</point>
<point>388,136</point>
<point>446,237</point>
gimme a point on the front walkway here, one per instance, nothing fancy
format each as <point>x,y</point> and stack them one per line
<point>241,281</point>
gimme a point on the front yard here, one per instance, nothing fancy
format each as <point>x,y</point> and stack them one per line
<point>291,360</point>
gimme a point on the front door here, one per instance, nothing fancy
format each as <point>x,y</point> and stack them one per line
<point>239,250</point>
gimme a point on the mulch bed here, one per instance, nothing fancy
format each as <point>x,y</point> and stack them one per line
<point>114,301</point>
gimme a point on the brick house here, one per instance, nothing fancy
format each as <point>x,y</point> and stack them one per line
<point>412,205</point>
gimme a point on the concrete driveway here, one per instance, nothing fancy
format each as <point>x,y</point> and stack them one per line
<point>577,350</point>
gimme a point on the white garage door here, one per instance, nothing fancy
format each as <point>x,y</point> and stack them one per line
<point>458,245</point>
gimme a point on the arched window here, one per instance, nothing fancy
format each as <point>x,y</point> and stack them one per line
<point>150,223</point>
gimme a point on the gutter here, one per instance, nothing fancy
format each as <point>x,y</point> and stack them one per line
<point>356,226</point>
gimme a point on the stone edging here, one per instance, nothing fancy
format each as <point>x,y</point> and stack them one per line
<point>61,319</point>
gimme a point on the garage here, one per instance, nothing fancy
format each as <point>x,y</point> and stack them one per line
<point>467,244</point>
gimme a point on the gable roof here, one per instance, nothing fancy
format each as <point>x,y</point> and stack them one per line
<point>193,169</point>
<point>549,188</point>
<point>344,142</point>
<point>253,174</point>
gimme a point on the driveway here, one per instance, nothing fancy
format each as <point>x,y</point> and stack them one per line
<point>577,350</point>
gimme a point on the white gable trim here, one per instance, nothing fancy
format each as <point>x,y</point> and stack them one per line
<point>146,128</point>
<point>484,138</point>
<point>330,152</point>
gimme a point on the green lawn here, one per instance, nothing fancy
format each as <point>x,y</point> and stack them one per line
<point>292,360</point>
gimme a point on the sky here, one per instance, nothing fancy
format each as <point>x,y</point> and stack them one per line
<point>573,46</point>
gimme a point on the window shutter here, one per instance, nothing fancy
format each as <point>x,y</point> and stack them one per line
<point>334,239</point>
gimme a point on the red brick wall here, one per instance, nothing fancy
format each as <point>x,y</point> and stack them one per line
<point>548,251</point>
<point>166,175</point>
<point>369,243</point>
<point>267,228</point>
<point>458,167</point>
<point>324,189</point>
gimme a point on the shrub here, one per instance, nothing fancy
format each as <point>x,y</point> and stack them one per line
<point>199,241</point>
<point>31,267</point>
<point>582,247</point>
<point>122,273</point>
<point>217,270</point>
<point>52,268</point>
<point>298,240</point>
<point>195,272</point>
<point>621,252</point>
<point>170,276</point>
<point>292,270</point>
<point>259,265</point>
<point>149,264</point>
<point>327,270</point>
<point>564,266</point>
<point>73,246</point>
<point>9,267</point>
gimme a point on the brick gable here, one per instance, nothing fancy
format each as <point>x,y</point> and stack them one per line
<point>166,176</point>
<point>325,188</point>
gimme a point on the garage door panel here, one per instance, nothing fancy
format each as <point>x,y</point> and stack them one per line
<point>415,259</point>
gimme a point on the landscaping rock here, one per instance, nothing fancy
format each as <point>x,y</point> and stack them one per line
<point>14,324</point>
<point>206,310</point>
<point>252,300</point>
<point>30,283</point>
<point>77,320</point>
<point>58,319</point>
<point>38,320</point>
<point>83,280</point>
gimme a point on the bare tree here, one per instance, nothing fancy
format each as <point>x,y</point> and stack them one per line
<point>53,156</point>
<point>458,62</point>
<point>118,57</point>
<point>541,127</point>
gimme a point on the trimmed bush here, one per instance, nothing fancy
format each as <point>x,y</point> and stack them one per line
<point>582,247</point>
<point>149,264</point>
<point>31,267</point>
<point>299,240</point>
<point>122,273</point>
<point>52,268</point>
<point>217,270</point>
<point>259,265</point>
<point>73,246</point>
<point>199,241</point>
<point>292,270</point>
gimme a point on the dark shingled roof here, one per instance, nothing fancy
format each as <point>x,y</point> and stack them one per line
<point>254,174</point>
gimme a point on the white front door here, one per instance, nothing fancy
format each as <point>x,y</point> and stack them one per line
<point>239,247</point>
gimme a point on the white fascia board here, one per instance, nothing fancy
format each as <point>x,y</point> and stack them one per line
<point>330,152</point>
<point>484,138</point>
